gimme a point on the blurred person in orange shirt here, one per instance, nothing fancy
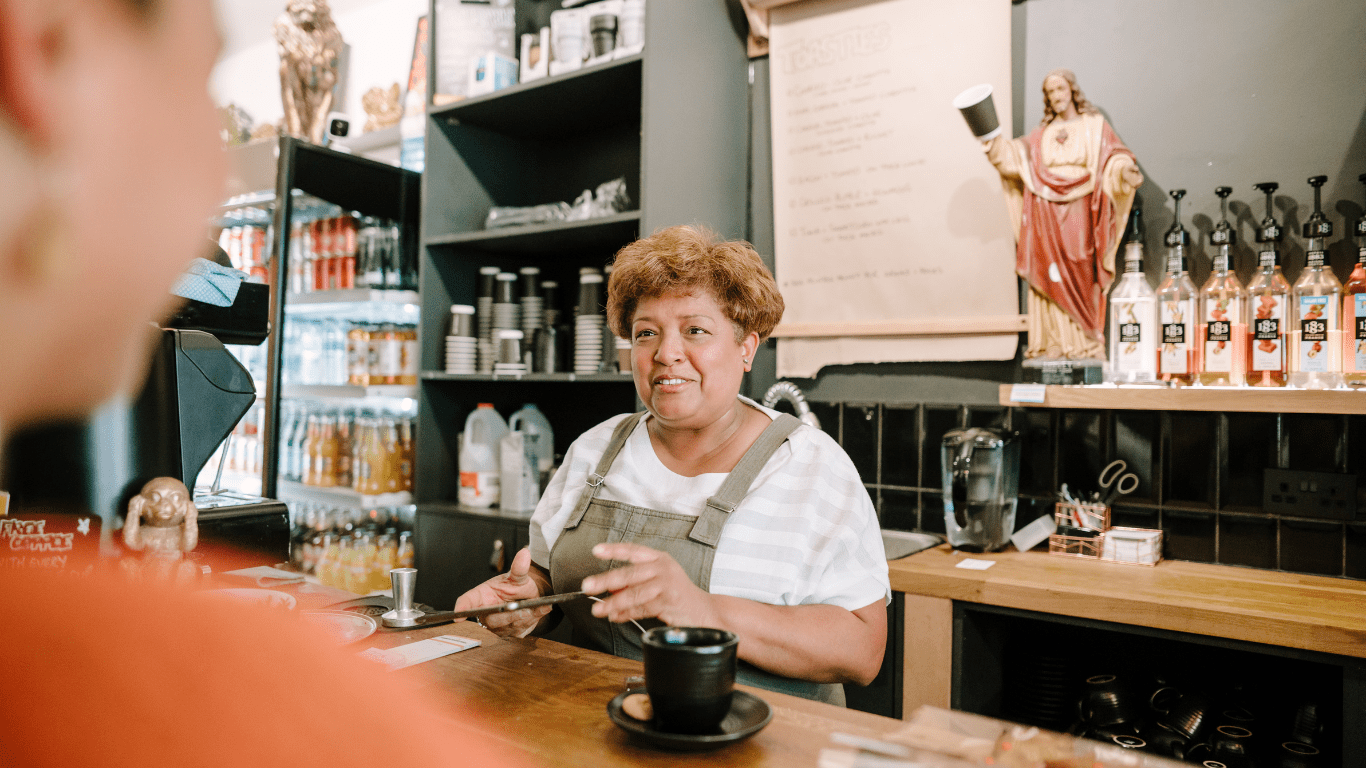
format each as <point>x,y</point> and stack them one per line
<point>110,164</point>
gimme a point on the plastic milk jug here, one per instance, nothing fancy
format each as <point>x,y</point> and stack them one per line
<point>479,447</point>
<point>519,486</point>
<point>539,435</point>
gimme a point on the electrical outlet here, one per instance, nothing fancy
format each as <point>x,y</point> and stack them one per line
<point>1310,494</point>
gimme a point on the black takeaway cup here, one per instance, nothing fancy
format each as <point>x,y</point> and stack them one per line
<point>977,108</point>
<point>690,675</point>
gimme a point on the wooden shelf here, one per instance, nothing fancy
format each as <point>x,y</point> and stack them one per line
<point>1234,399</point>
<point>610,378</point>
<point>575,102</point>
<point>605,234</point>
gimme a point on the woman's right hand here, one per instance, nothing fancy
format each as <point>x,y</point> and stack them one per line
<point>519,583</point>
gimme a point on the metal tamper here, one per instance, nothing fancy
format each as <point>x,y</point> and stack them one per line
<point>404,614</point>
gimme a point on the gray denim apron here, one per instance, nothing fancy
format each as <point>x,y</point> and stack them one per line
<point>691,541</point>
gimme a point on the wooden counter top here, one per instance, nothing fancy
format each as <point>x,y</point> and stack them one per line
<point>550,701</point>
<point>1314,613</point>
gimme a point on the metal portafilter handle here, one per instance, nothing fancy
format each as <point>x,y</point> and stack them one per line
<point>403,580</point>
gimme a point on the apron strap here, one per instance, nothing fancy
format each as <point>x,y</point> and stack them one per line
<point>707,529</point>
<point>595,478</point>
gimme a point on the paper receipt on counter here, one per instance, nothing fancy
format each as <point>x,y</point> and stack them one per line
<point>422,650</point>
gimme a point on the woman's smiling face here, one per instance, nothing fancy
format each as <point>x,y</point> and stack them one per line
<point>686,361</point>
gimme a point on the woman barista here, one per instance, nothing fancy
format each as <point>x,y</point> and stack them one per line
<point>707,509</point>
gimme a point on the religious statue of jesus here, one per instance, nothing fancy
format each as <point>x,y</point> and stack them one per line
<point>1069,185</point>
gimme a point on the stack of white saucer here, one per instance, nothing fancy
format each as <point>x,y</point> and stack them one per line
<point>461,354</point>
<point>461,344</point>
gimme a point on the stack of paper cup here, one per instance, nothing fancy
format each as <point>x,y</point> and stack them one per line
<point>589,323</point>
<point>461,344</point>
<point>483,305</point>
<point>533,308</point>
<point>510,360</point>
<point>550,315</point>
<point>507,312</point>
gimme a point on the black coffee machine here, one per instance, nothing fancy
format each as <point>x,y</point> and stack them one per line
<point>195,393</point>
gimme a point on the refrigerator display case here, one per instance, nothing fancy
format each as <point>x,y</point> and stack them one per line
<point>331,433</point>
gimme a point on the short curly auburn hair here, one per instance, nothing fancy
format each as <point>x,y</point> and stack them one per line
<point>686,258</point>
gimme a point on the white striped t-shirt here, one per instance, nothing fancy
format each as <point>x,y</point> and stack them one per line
<point>805,534</point>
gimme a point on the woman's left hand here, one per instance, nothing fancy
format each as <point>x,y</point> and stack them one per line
<point>653,586</point>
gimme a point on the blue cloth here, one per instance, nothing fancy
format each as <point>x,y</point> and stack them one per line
<point>209,283</point>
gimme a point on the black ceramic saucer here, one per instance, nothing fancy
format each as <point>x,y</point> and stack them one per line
<point>748,715</point>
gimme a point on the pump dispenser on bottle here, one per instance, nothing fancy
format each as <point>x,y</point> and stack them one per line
<point>1176,306</point>
<point>1316,332</point>
<point>1133,314</point>
<point>1223,332</point>
<point>1267,296</point>
<point>1354,311</point>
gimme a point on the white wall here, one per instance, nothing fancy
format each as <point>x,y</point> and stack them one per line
<point>381,38</point>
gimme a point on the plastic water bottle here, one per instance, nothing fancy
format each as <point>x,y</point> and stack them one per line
<point>533,422</point>
<point>479,447</point>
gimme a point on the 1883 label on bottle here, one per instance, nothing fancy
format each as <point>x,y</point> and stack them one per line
<point>1267,352</point>
<point>1315,319</point>
<point>1177,317</point>
<point>1359,337</point>
<point>1219,316</point>
<point>1132,333</point>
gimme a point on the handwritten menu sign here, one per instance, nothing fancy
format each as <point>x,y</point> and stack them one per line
<point>885,207</point>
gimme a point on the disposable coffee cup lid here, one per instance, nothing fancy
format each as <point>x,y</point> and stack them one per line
<point>530,270</point>
<point>489,270</point>
<point>972,96</point>
<point>506,276</point>
<point>590,277</point>
<point>506,334</point>
<point>461,309</point>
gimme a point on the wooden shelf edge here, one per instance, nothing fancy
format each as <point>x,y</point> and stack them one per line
<point>959,326</point>
<point>1234,399</point>
<point>479,236</point>
<point>1312,613</point>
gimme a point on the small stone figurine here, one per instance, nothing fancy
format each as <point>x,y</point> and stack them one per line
<point>162,524</point>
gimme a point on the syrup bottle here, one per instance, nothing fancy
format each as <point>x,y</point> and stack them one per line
<point>1316,333</point>
<point>1133,314</point>
<point>1354,311</point>
<point>1267,296</point>
<point>1176,306</point>
<point>1223,329</point>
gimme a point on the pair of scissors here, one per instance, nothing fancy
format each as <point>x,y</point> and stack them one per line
<point>1116,482</point>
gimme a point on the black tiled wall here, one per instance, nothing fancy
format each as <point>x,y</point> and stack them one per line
<point>1200,474</point>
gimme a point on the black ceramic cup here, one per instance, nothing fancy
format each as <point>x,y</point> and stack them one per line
<point>1164,741</point>
<point>690,675</point>
<point>1295,755</point>
<point>1105,702</point>
<point>1188,717</point>
<point>1231,745</point>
